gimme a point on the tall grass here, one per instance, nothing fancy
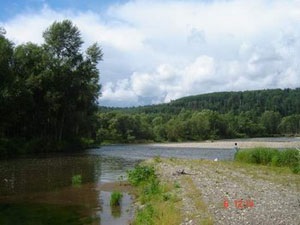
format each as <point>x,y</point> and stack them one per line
<point>115,198</point>
<point>158,203</point>
<point>272,157</point>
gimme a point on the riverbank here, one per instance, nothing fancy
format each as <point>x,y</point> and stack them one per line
<point>232,193</point>
<point>242,143</point>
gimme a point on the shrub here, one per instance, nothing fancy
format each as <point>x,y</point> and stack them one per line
<point>140,174</point>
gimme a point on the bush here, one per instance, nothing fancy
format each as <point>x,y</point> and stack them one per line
<point>140,174</point>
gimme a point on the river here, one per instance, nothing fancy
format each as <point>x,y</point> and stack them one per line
<point>39,189</point>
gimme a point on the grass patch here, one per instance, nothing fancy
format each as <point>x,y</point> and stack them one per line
<point>76,180</point>
<point>158,203</point>
<point>204,217</point>
<point>271,157</point>
<point>115,198</point>
<point>141,174</point>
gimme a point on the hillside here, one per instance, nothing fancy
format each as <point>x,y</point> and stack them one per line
<point>258,113</point>
<point>284,101</point>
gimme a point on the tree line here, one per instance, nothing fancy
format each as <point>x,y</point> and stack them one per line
<point>258,113</point>
<point>48,92</point>
<point>284,101</point>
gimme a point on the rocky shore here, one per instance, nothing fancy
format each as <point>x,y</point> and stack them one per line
<point>231,193</point>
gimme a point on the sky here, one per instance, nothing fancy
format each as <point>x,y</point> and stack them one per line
<point>158,51</point>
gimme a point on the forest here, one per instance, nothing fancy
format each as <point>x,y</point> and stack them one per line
<point>259,113</point>
<point>49,102</point>
<point>48,92</point>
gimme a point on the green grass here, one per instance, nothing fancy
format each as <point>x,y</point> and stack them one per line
<point>156,199</point>
<point>115,198</point>
<point>271,157</point>
<point>204,217</point>
<point>141,174</point>
<point>76,180</point>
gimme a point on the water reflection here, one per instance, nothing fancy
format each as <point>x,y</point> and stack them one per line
<point>37,188</point>
<point>113,216</point>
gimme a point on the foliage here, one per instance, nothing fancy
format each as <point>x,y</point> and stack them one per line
<point>121,127</point>
<point>141,174</point>
<point>268,156</point>
<point>115,198</point>
<point>145,216</point>
<point>158,203</point>
<point>76,180</point>
<point>48,92</point>
<point>205,117</point>
<point>157,159</point>
<point>284,101</point>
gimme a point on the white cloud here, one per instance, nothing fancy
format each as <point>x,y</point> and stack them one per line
<point>120,93</point>
<point>155,51</point>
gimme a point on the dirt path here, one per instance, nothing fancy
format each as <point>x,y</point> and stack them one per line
<point>231,193</point>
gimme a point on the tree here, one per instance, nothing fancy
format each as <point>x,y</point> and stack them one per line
<point>74,80</point>
<point>271,120</point>
<point>49,92</point>
<point>290,124</point>
<point>6,81</point>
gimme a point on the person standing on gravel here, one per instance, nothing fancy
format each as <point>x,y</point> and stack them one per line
<point>236,148</point>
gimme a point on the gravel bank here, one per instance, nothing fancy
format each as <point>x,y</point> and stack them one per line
<point>242,143</point>
<point>231,193</point>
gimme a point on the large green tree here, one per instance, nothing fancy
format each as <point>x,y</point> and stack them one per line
<point>6,81</point>
<point>74,79</point>
<point>49,92</point>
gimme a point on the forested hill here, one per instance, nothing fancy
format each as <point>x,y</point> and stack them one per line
<point>284,101</point>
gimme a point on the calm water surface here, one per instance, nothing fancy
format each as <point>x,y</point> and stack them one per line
<point>39,190</point>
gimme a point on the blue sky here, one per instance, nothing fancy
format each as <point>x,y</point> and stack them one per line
<point>14,7</point>
<point>156,51</point>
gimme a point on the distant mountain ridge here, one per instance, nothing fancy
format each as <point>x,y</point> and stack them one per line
<point>284,101</point>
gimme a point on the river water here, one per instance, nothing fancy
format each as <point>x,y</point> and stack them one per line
<point>39,189</point>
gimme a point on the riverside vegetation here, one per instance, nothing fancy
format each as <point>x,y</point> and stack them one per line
<point>49,102</point>
<point>115,198</point>
<point>272,157</point>
<point>158,201</point>
<point>260,113</point>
